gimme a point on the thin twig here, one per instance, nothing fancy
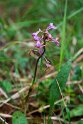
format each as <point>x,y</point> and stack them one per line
<point>48,106</point>
<point>3,120</point>
<point>5,115</point>
<point>15,96</point>
<point>77,54</point>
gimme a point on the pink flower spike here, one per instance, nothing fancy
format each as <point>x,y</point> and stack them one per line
<point>36,38</point>
<point>51,26</point>
<point>38,44</point>
<point>55,40</point>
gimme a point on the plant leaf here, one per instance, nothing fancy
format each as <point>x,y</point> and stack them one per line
<point>7,86</point>
<point>62,79</point>
<point>78,111</point>
<point>19,118</point>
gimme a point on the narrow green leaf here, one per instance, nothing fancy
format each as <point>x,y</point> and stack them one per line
<point>19,118</point>
<point>62,79</point>
<point>63,35</point>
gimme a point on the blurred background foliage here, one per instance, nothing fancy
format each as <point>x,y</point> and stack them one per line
<point>18,19</point>
<point>25,15</point>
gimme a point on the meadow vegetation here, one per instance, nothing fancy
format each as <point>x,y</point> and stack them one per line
<point>41,83</point>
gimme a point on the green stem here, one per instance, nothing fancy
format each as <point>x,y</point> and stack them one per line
<point>30,89</point>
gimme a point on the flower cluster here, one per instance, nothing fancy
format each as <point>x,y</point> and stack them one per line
<point>46,36</point>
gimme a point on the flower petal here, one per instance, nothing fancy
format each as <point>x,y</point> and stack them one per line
<point>35,35</point>
<point>55,40</point>
<point>36,38</point>
<point>51,26</point>
<point>40,51</point>
<point>38,44</point>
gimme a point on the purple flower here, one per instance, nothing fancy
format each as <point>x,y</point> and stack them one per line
<point>38,44</point>
<point>51,26</point>
<point>35,35</point>
<point>36,38</point>
<point>55,40</point>
<point>49,36</point>
<point>44,35</point>
<point>40,51</point>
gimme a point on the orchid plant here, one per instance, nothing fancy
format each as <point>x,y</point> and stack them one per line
<point>40,45</point>
<point>45,36</point>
